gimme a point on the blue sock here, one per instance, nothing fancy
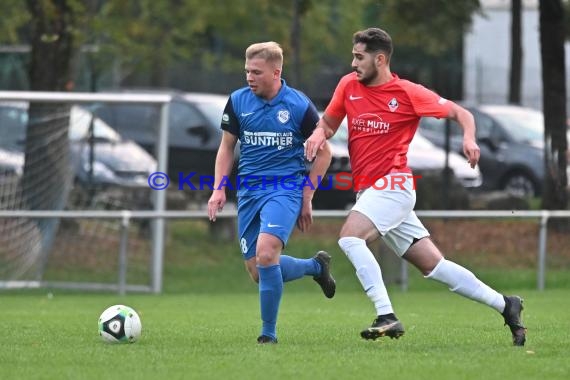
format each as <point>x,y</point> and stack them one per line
<point>270,292</point>
<point>293,268</point>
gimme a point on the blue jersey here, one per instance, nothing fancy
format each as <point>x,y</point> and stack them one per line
<point>271,135</point>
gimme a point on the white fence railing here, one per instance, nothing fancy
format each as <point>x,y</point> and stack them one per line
<point>542,217</point>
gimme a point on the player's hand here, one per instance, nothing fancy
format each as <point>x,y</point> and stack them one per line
<point>315,142</point>
<point>216,203</point>
<point>471,151</point>
<point>306,217</point>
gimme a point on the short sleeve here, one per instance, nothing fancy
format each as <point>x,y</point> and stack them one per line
<point>310,120</point>
<point>230,121</point>
<point>427,102</point>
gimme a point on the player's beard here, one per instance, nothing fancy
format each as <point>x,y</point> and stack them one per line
<point>370,77</point>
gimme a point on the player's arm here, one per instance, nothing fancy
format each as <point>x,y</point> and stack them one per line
<point>323,155</point>
<point>428,103</point>
<point>224,164</point>
<point>329,123</point>
<point>466,120</point>
<point>224,160</point>
<point>326,128</point>
<point>316,174</point>
<point>318,171</point>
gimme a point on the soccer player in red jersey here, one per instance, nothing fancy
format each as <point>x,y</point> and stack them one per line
<point>383,113</point>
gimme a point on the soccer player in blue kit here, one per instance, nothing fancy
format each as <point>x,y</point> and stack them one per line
<point>272,121</point>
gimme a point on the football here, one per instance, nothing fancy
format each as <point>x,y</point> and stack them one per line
<point>120,324</point>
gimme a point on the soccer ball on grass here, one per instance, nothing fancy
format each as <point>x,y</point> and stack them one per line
<point>120,324</point>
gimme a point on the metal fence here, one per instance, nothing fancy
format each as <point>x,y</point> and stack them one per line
<point>122,287</point>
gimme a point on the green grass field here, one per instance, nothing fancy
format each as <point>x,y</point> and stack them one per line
<point>212,336</point>
<point>205,324</point>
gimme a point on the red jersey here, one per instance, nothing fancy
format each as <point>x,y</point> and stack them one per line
<point>382,120</point>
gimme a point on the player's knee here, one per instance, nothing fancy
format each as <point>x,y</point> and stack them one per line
<point>267,258</point>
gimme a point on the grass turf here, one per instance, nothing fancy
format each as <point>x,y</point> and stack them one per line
<point>205,324</point>
<point>212,336</point>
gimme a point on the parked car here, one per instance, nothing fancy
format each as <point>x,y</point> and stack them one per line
<point>511,140</point>
<point>11,170</point>
<point>423,155</point>
<point>11,163</point>
<point>194,129</point>
<point>113,161</point>
<point>117,161</point>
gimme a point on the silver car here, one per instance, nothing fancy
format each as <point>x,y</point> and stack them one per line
<point>106,160</point>
<point>511,140</point>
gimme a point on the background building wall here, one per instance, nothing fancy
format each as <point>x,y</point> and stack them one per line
<point>487,55</point>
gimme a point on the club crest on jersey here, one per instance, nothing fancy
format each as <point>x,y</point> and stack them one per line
<point>393,105</point>
<point>283,116</point>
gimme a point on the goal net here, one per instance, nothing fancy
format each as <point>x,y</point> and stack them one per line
<point>34,175</point>
<point>56,156</point>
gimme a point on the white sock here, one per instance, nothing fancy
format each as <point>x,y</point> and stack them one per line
<point>368,272</point>
<point>462,281</point>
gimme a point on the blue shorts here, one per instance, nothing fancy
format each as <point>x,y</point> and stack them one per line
<point>274,213</point>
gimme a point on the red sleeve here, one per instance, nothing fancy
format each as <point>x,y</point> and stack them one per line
<point>336,106</point>
<point>427,102</point>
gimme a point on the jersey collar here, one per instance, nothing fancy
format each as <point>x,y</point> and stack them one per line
<point>280,94</point>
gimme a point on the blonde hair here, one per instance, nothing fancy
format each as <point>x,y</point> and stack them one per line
<point>269,51</point>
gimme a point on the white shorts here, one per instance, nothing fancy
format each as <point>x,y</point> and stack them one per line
<point>390,207</point>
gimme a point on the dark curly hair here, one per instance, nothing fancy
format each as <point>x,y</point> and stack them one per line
<point>376,40</point>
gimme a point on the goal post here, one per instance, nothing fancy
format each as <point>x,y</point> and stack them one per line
<point>37,174</point>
